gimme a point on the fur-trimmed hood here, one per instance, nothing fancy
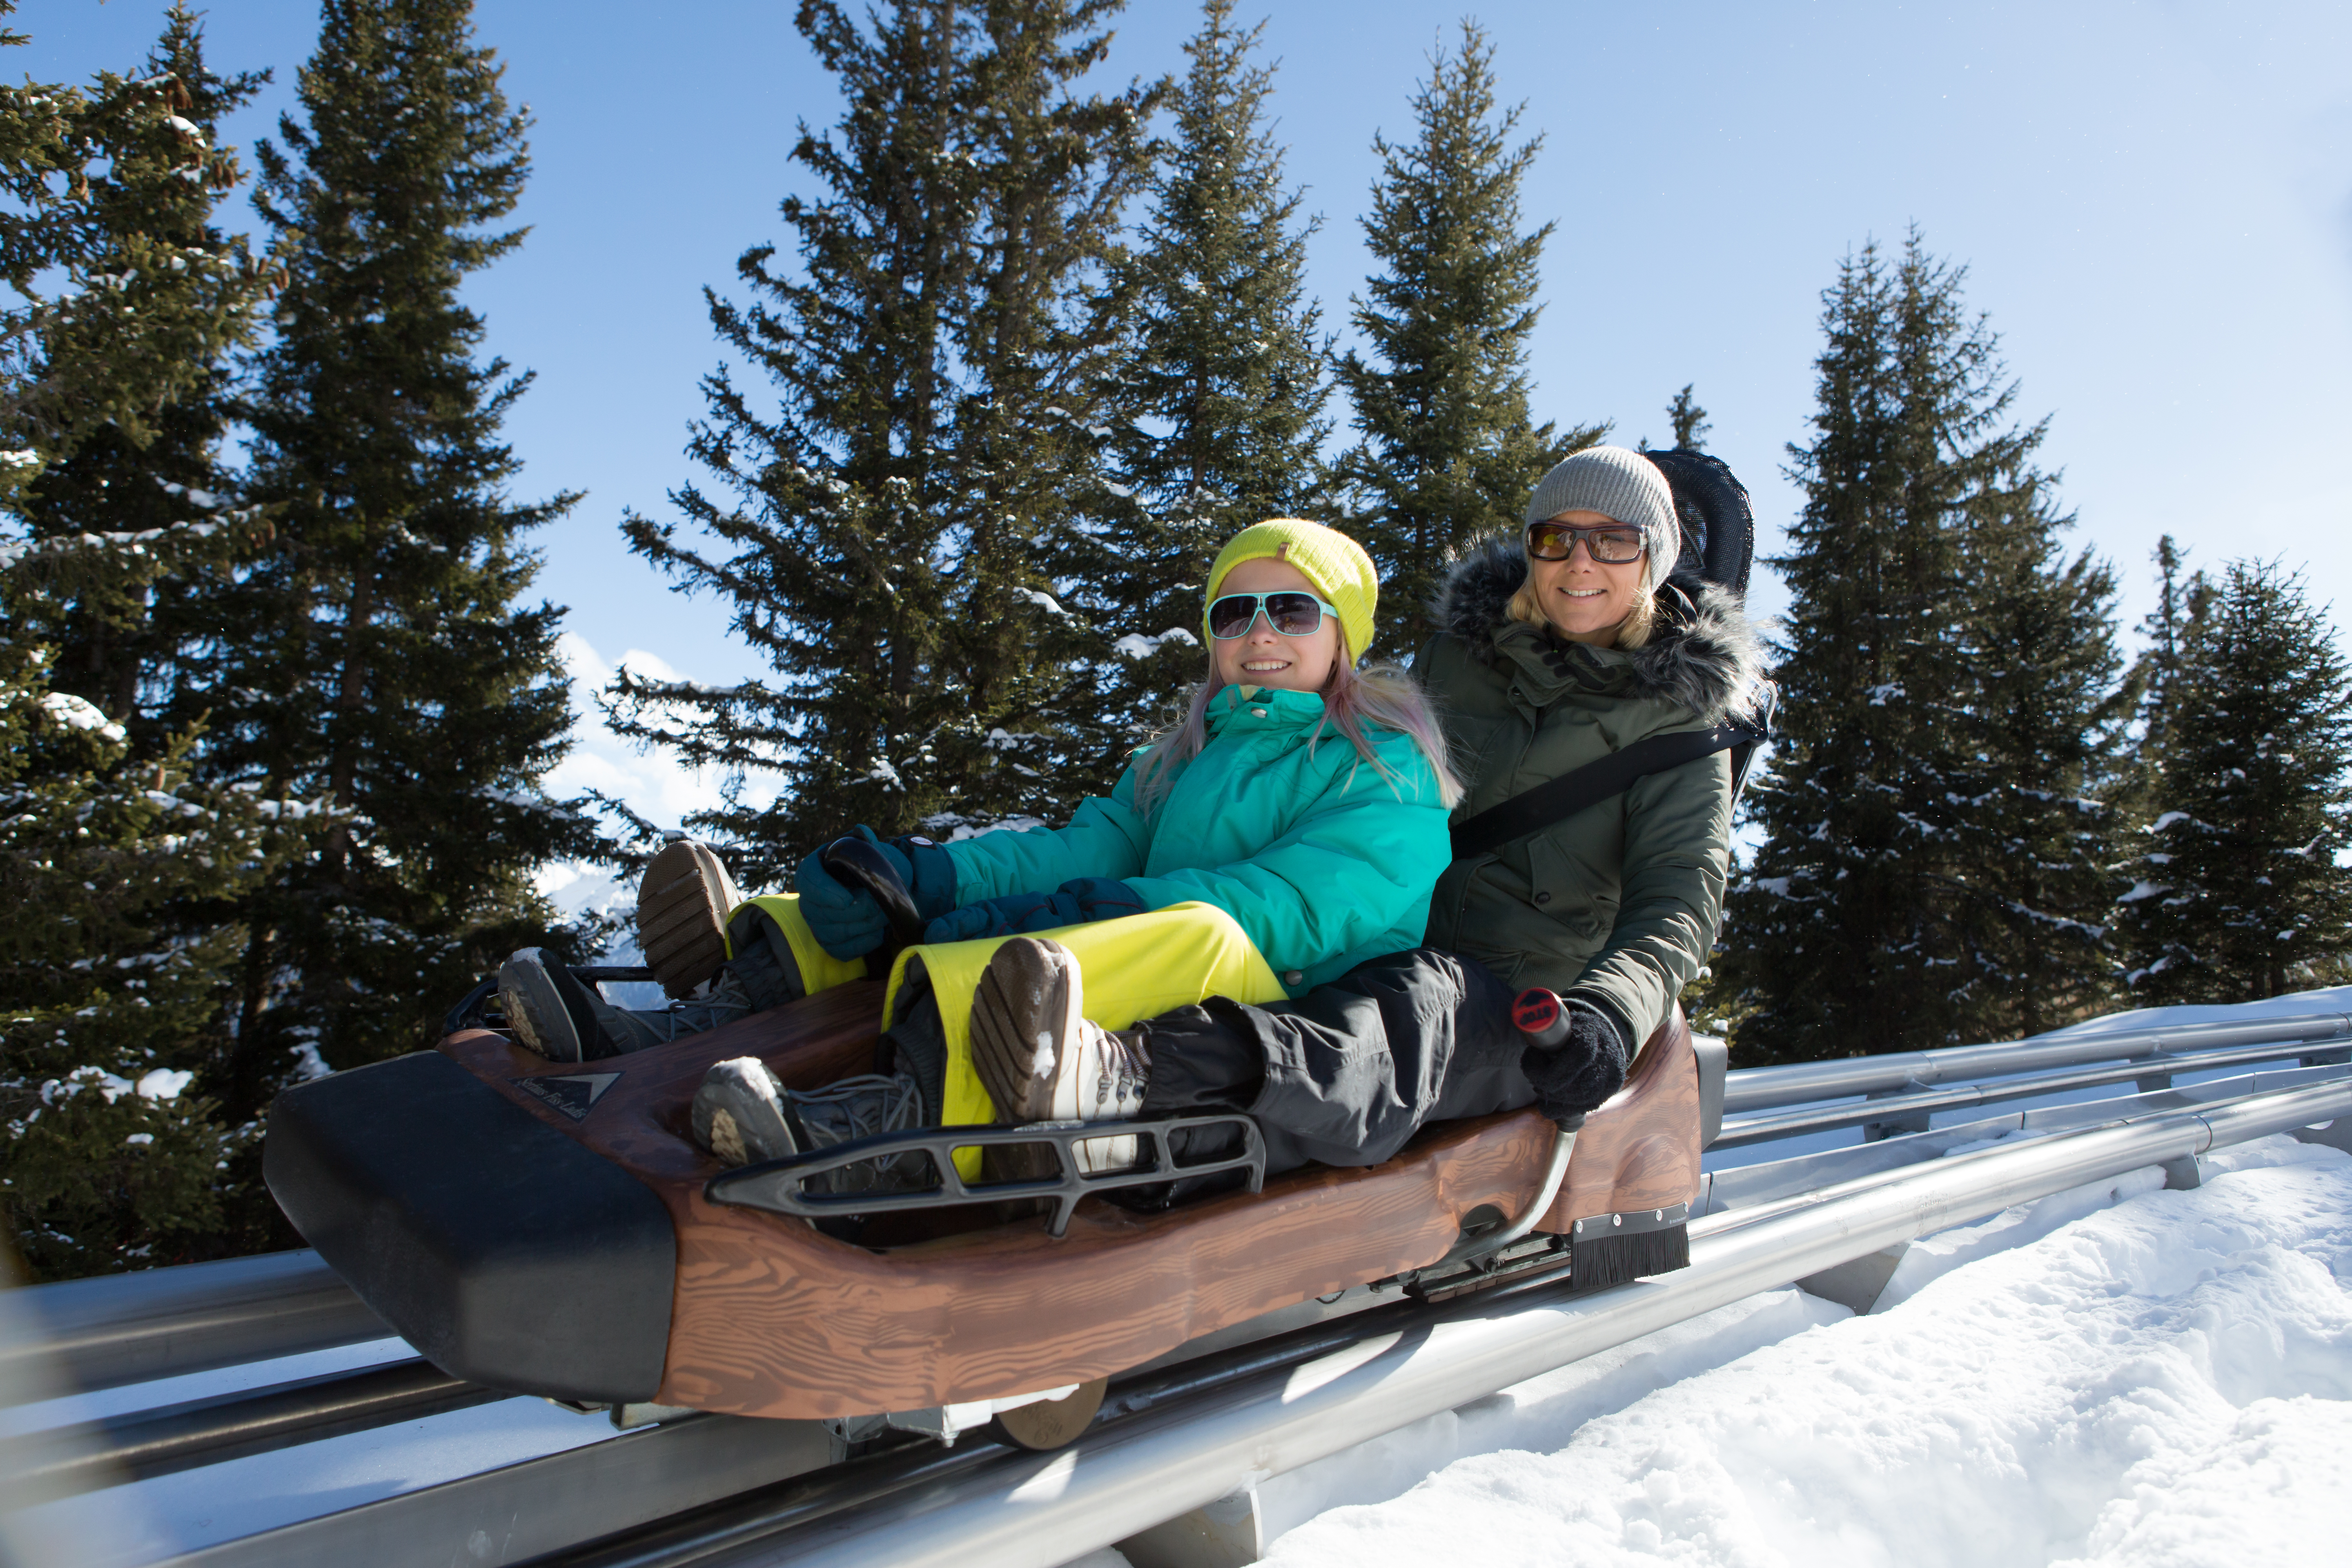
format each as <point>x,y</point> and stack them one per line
<point>1705,654</point>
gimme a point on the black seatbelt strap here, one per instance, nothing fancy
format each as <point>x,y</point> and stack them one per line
<point>1561,798</point>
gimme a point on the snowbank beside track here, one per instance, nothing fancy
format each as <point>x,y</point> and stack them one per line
<point>2164,1380</point>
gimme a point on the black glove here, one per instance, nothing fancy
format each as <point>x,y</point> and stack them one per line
<point>1583,1069</point>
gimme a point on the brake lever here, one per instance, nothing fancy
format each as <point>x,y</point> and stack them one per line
<point>855,863</point>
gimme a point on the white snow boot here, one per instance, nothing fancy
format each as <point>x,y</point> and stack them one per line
<point>1041,1059</point>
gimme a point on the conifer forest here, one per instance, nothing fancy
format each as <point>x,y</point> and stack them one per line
<point>280,698</point>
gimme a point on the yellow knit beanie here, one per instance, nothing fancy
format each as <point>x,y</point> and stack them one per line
<point>1334,562</point>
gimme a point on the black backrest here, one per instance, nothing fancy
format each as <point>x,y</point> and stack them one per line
<point>1718,524</point>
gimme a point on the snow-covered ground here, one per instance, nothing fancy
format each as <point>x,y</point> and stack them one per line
<point>2120,1374</point>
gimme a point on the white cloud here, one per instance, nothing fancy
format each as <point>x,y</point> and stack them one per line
<point>651,665</point>
<point>651,781</point>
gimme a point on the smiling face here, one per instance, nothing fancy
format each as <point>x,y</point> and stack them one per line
<point>1263,656</point>
<point>1584,600</point>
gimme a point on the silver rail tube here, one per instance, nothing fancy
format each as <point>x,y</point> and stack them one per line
<point>1039,1509</point>
<point>1754,1088</point>
<point>229,1426</point>
<point>131,1328</point>
<point>1988,1092</point>
<point>528,1510</point>
<point>1746,1193</point>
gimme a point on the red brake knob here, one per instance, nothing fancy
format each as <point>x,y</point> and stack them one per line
<point>1540,1015</point>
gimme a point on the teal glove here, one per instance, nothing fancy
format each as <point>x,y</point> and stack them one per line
<point>846,921</point>
<point>1074,903</point>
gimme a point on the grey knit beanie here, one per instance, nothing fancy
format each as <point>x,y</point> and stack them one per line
<point>1621,483</point>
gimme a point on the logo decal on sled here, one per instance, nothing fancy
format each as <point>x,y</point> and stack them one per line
<point>574,1094</point>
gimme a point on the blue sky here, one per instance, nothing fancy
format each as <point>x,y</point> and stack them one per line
<point>2155,202</point>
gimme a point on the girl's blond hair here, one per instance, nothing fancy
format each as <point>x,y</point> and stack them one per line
<point>1383,694</point>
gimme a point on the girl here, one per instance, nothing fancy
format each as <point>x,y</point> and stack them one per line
<point>1288,829</point>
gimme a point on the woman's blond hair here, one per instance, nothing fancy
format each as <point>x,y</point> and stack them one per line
<point>1631,632</point>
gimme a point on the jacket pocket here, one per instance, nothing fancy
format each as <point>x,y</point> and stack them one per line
<point>1578,897</point>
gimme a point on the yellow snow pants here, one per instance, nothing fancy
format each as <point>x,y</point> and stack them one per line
<point>1133,968</point>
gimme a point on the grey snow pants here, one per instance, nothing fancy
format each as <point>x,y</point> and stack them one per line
<point>1346,1074</point>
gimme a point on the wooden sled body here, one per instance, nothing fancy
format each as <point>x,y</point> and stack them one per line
<point>543,1227</point>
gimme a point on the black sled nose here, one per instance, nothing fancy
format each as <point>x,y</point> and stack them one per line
<point>506,1252</point>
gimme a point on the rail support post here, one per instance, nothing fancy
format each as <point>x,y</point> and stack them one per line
<point>2335,1134</point>
<point>1857,1283</point>
<point>1226,1533</point>
<point>1896,1126</point>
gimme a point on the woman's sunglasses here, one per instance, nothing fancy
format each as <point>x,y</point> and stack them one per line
<point>1288,611</point>
<point>1608,546</point>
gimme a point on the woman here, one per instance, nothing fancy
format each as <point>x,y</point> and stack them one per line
<point>1573,642</point>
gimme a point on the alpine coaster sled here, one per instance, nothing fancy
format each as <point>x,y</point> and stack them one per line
<point>552,1228</point>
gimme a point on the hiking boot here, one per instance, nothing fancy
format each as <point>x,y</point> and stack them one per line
<point>555,1013</point>
<point>683,902</point>
<point>565,1020</point>
<point>859,1108</point>
<point>739,1114</point>
<point>763,963</point>
<point>727,999</point>
<point>1041,1059</point>
<point>745,1116</point>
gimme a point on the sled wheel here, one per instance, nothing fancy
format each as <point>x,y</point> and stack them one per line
<point>1051,1424</point>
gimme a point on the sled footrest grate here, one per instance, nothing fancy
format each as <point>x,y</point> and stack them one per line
<point>782,1186</point>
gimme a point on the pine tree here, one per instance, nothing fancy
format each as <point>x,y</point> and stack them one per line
<point>118,948</point>
<point>116,986</point>
<point>1057,173</point>
<point>2184,602</point>
<point>2241,893</point>
<point>2042,828</point>
<point>1215,404</point>
<point>2184,599</point>
<point>376,658</point>
<point>153,459</point>
<point>1688,420</point>
<point>1836,932</point>
<point>897,538</point>
<point>1932,866</point>
<point>1449,452</point>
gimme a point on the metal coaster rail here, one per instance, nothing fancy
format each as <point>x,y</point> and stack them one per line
<point>198,1432</point>
<point>1182,1433</point>
<point>1756,1088</point>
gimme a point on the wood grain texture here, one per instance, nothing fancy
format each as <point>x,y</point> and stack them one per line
<point>773,1319</point>
<point>1639,1151</point>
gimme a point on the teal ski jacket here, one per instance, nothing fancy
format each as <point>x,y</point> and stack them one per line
<point>1322,861</point>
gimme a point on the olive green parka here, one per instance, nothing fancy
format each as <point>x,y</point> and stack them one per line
<point>1618,904</point>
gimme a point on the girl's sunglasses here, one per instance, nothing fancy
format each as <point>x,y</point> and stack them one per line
<point>1288,611</point>
<point>1608,546</point>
